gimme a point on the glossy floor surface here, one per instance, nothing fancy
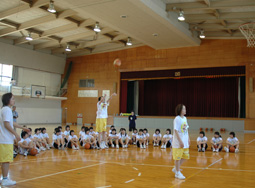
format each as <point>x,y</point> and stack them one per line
<point>135,167</point>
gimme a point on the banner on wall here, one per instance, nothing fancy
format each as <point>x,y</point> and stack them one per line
<point>87,93</point>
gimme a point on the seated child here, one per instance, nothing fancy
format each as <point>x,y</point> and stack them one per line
<point>232,141</point>
<point>66,134</point>
<point>45,137</point>
<point>58,140</point>
<point>167,139</point>
<point>123,138</point>
<point>40,141</point>
<point>81,134</point>
<point>216,142</point>
<point>147,136</point>
<point>73,141</point>
<point>114,138</point>
<point>141,139</point>
<point>202,142</point>
<point>157,138</point>
<point>134,134</point>
<point>87,138</point>
<point>25,144</point>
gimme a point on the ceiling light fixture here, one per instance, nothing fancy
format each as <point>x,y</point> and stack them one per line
<point>181,16</point>
<point>51,8</point>
<point>68,48</point>
<point>202,35</point>
<point>129,42</point>
<point>97,27</point>
<point>29,37</point>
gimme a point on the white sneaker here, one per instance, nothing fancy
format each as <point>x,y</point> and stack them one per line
<point>126,146</point>
<point>134,143</point>
<point>38,150</point>
<point>217,150</point>
<point>47,146</point>
<point>236,150</point>
<point>203,149</point>
<point>180,176</point>
<point>198,150</point>
<point>25,153</point>
<point>73,147</point>
<point>112,145</point>
<point>8,182</point>
<point>226,149</point>
<point>117,146</point>
<point>77,148</point>
<point>154,144</point>
<point>141,146</point>
<point>144,146</point>
<point>162,147</point>
<point>15,153</point>
<point>213,150</point>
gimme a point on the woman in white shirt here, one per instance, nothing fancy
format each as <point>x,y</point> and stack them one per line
<point>157,138</point>
<point>73,141</point>
<point>7,136</point>
<point>167,139</point>
<point>181,141</point>
<point>202,142</point>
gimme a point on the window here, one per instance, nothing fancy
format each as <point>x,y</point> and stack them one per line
<point>5,74</point>
<point>87,83</point>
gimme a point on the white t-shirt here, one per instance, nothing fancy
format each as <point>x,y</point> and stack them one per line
<point>102,110</point>
<point>22,150</point>
<point>199,139</point>
<point>86,136</point>
<point>112,135</point>
<point>55,137</point>
<point>181,126</point>
<point>6,137</point>
<point>157,135</point>
<point>168,136</point>
<point>67,133</point>
<point>37,136</point>
<point>92,133</point>
<point>71,137</point>
<point>134,134</point>
<point>216,140</point>
<point>123,136</point>
<point>147,135</point>
<point>138,137</point>
<point>81,134</point>
<point>232,140</point>
<point>45,135</point>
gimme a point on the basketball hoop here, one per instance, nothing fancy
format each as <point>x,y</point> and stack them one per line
<point>248,30</point>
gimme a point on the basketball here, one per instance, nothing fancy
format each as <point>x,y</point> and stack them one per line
<point>33,152</point>
<point>232,149</point>
<point>206,129</point>
<point>117,63</point>
<point>87,146</point>
<point>211,129</point>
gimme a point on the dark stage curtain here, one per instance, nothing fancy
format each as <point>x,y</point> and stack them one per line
<point>123,96</point>
<point>205,97</point>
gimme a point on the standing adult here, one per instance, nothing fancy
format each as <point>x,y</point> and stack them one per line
<point>14,114</point>
<point>181,140</point>
<point>7,136</point>
<point>132,125</point>
<point>101,121</point>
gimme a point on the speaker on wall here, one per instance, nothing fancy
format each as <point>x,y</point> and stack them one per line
<point>251,84</point>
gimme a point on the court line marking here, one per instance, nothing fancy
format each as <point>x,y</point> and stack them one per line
<point>104,186</point>
<point>57,173</point>
<point>135,168</point>
<point>251,141</point>
<point>130,181</point>
<point>192,175</point>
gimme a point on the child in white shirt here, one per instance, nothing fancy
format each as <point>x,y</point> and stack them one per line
<point>232,141</point>
<point>25,144</point>
<point>66,134</point>
<point>202,142</point>
<point>141,139</point>
<point>147,136</point>
<point>81,134</point>
<point>58,140</point>
<point>157,138</point>
<point>114,139</point>
<point>134,134</point>
<point>45,137</point>
<point>73,141</point>
<point>167,139</point>
<point>39,139</point>
<point>123,138</point>
<point>87,138</point>
<point>216,142</point>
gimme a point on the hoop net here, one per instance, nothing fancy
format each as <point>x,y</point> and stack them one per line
<point>248,30</point>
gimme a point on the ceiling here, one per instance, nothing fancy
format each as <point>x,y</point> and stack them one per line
<point>147,22</point>
<point>220,19</point>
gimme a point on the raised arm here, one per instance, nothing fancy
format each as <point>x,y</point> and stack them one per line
<point>114,94</point>
<point>16,125</point>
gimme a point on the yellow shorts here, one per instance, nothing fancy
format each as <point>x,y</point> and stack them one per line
<point>6,153</point>
<point>101,124</point>
<point>180,153</point>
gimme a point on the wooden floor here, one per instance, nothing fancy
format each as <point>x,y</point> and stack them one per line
<point>135,167</point>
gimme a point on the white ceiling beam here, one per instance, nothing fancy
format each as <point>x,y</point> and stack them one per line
<point>223,4</point>
<point>71,39</point>
<point>36,22</point>
<point>22,7</point>
<point>213,27</point>
<point>223,16</point>
<point>93,43</point>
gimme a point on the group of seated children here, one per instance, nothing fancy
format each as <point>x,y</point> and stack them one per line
<point>141,139</point>
<point>217,142</point>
